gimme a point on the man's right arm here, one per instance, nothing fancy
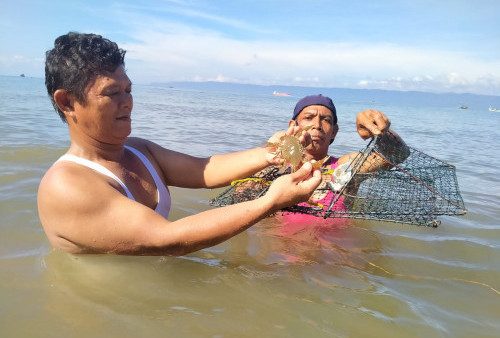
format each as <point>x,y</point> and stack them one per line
<point>82,214</point>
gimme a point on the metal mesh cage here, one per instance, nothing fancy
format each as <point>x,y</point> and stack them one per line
<point>415,190</point>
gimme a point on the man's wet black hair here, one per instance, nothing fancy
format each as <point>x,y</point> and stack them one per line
<point>76,60</point>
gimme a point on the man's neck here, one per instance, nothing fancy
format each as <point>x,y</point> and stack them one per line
<point>86,147</point>
<point>316,157</point>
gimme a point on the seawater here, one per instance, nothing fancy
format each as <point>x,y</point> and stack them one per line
<point>354,279</point>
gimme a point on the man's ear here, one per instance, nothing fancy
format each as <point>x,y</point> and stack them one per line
<point>65,101</point>
<point>292,123</point>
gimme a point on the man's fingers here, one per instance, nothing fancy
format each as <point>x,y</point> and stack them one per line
<point>304,170</point>
<point>382,122</point>
<point>291,130</point>
<point>304,176</point>
<point>372,122</point>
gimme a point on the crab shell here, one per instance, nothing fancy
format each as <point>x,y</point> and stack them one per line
<point>290,149</point>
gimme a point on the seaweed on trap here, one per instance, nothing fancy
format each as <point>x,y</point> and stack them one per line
<point>416,190</point>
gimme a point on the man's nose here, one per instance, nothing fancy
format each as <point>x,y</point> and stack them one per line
<point>317,123</point>
<point>127,100</point>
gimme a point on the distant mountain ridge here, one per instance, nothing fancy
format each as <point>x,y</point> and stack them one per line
<point>344,94</point>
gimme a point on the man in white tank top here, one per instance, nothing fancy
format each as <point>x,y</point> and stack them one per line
<point>108,193</point>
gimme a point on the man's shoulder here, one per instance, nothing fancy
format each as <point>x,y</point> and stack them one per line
<point>60,189</point>
<point>346,158</point>
<point>146,146</point>
<point>67,180</point>
<point>137,142</point>
<point>60,178</point>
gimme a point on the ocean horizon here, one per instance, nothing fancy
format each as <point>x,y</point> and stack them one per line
<point>371,95</point>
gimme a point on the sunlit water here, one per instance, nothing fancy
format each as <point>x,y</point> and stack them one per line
<point>351,279</point>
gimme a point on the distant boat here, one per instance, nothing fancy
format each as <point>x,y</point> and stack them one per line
<point>275,93</point>
<point>22,75</point>
<point>493,109</point>
<point>464,107</point>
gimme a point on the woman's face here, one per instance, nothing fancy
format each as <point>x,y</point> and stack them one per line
<point>106,114</point>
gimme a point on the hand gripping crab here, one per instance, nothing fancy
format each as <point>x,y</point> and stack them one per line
<point>291,150</point>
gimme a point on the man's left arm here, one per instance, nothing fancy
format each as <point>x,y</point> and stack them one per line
<point>218,170</point>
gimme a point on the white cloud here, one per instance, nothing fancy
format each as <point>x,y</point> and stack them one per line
<point>450,82</point>
<point>180,53</point>
<point>162,49</point>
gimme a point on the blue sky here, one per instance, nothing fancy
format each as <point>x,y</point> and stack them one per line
<point>424,45</point>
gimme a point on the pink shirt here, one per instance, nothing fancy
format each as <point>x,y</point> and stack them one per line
<point>295,221</point>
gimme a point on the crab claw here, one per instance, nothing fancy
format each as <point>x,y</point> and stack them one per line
<point>299,133</point>
<point>320,163</point>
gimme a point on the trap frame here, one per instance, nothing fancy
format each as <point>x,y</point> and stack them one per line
<point>415,190</point>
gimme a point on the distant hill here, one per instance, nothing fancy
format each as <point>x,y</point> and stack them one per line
<point>378,96</point>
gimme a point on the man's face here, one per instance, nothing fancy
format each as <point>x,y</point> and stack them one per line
<point>106,115</point>
<point>323,130</point>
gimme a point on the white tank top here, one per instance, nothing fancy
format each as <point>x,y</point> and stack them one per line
<point>164,199</point>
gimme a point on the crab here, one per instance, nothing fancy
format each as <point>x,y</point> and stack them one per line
<point>291,150</point>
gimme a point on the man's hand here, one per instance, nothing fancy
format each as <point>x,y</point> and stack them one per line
<point>297,187</point>
<point>371,122</point>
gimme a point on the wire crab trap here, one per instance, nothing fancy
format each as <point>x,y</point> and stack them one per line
<point>414,188</point>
